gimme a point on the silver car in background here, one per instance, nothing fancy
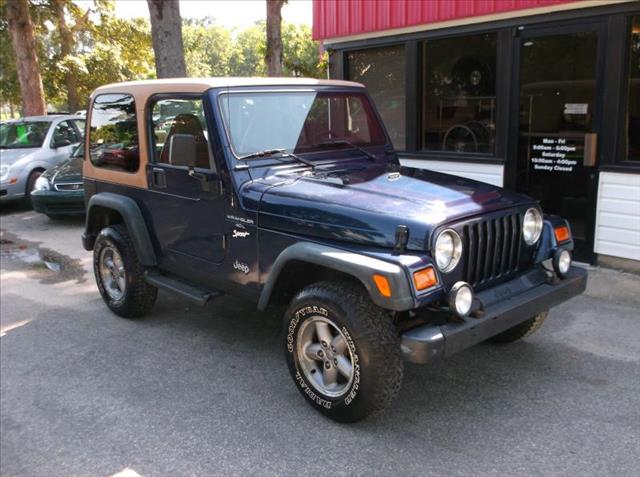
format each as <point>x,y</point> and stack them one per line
<point>29,146</point>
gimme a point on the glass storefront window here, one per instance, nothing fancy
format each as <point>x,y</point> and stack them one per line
<point>459,94</point>
<point>632,127</point>
<point>382,71</point>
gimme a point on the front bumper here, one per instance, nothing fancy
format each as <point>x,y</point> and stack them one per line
<point>12,191</point>
<point>503,307</point>
<point>52,202</point>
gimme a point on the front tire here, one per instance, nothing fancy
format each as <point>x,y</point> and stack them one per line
<point>31,183</point>
<point>520,331</point>
<point>343,352</point>
<point>120,275</point>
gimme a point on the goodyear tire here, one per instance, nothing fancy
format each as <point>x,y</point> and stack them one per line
<point>119,274</point>
<point>343,352</point>
<point>522,330</point>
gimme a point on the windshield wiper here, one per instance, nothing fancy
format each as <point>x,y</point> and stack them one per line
<point>258,154</point>
<point>281,154</point>
<point>331,142</point>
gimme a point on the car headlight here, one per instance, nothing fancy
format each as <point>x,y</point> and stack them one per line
<point>448,250</point>
<point>42,183</point>
<point>4,171</point>
<point>532,226</point>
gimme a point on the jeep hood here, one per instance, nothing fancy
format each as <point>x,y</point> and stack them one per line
<point>366,205</point>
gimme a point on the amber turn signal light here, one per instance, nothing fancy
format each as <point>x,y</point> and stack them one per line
<point>383,285</point>
<point>562,233</point>
<point>424,278</point>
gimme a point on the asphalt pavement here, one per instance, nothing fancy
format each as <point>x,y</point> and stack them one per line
<point>205,391</point>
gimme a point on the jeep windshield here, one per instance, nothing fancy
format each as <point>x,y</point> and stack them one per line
<point>299,122</point>
<point>23,135</point>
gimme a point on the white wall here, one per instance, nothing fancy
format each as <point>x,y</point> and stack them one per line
<point>490,173</point>
<point>618,215</point>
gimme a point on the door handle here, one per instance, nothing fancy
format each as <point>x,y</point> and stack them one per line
<point>159,178</point>
<point>590,149</point>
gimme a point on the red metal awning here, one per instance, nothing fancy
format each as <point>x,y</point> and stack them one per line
<point>336,18</point>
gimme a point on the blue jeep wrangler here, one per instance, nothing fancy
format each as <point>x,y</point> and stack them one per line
<point>288,191</point>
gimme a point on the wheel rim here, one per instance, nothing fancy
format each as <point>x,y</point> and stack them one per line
<point>325,356</point>
<point>112,273</point>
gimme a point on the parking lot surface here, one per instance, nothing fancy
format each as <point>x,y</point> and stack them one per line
<point>205,391</point>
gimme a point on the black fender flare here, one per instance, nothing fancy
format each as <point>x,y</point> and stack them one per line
<point>133,219</point>
<point>359,266</point>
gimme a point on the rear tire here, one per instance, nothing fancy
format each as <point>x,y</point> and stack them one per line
<point>520,331</point>
<point>343,352</point>
<point>120,275</point>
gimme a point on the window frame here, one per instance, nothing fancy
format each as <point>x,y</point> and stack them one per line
<point>71,126</point>
<point>87,138</point>
<point>346,71</point>
<point>421,94</point>
<point>413,50</point>
<point>616,37</point>
<point>151,137</point>
<point>622,153</point>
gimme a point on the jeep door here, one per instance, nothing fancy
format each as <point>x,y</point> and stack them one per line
<point>185,204</point>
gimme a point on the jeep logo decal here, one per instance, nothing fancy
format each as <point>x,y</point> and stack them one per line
<point>241,267</point>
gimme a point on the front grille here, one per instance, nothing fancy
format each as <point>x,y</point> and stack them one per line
<point>69,186</point>
<point>492,249</point>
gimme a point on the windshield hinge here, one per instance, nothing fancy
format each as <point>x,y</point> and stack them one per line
<point>402,238</point>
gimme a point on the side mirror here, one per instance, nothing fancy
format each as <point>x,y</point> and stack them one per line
<point>61,143</point>
<point>182,150</point>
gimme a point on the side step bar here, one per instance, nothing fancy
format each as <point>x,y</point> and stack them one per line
<point>179,287</point>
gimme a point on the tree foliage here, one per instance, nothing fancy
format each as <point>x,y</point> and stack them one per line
<point>109,49</point>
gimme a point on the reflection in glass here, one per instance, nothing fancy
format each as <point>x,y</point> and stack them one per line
<point>382,71</point>
<point>113,133</point>
<point>459,94</point>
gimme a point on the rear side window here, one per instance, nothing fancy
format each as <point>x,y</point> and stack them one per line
<point>113,133</point>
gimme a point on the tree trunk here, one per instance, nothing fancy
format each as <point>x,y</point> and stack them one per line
<point>166,34</point>
<point>67,47</point>
<point>24,47</point>
<point>273,55</point>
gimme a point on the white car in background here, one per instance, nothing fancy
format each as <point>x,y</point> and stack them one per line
<point>29,146</point>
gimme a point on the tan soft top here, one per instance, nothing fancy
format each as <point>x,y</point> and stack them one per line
<point>142,90</point>
<point>199,85</point>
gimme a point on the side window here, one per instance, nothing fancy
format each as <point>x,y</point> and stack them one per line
<point>80,125</point>
<point>172,116</point>
<point>64,135</point>
<point>113,133</point>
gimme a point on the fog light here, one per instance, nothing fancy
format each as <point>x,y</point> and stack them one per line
<point>562,262</point>
<point>461,299</point>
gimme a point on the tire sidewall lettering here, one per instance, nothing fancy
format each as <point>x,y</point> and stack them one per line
<point>292,329</point>
<point>299,315</point>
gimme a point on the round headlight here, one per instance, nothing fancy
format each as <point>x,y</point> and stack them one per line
<point>448,250</point>
<point>461,299</point>
<point>532,226</point>
<point>42,183</point>
<point>562,262</point>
